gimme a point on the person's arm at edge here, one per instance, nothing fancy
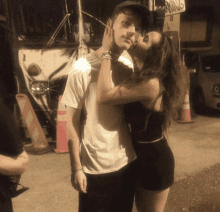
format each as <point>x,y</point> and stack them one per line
<point>78,178</point>
<point>14,165</point>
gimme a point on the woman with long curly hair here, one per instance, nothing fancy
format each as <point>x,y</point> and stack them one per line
<point>152,96</point>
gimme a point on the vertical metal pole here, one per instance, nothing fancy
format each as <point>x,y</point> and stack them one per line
<point>9,19</point>
<point>82,51</point>
<point>68,18</point>
<point>65,31</point>
<point>80,22</point>
<point>151,5</point>
<point>22,19</point>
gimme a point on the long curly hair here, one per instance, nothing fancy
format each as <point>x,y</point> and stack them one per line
<point>163,62</point>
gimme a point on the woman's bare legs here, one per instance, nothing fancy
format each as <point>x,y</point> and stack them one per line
<point>150,201</point>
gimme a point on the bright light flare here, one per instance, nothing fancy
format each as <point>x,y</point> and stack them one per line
<point>126,61</point>
<point>81,65</point>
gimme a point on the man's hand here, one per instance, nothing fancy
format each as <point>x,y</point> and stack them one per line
<point>79,181</point>
<point>108,38</point>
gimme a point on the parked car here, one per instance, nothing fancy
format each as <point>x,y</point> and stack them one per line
<point>205,82</point>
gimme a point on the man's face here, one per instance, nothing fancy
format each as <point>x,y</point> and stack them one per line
<point>127,28</point>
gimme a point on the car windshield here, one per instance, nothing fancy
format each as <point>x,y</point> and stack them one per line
<point>210,63</point>
<point>38,20</point>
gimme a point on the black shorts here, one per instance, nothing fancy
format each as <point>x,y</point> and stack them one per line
<point>155,165</point>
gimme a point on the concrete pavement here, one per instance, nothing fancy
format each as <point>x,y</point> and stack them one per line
<point>196,193</point>
<point>196,148</point>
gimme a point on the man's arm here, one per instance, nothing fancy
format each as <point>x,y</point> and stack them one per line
<point>78,178</point>
<point>14,165</point>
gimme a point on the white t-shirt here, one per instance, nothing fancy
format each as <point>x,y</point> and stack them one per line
<point>106,144</point>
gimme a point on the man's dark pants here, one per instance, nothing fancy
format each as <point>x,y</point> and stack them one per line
<point>111,192</point>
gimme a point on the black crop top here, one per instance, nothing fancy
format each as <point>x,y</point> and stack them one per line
<point>146,125</point>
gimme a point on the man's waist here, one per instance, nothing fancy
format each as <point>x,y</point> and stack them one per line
<point>103,160</point>
<point>106,169</point>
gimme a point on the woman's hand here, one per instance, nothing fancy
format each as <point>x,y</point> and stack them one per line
<point>108,38</point>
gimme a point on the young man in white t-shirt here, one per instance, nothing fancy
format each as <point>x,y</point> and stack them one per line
<point>101,152</point>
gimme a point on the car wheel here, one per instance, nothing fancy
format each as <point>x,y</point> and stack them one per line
<point>199,102</point>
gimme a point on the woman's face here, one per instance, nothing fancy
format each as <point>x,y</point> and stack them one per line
<point>144,43</point>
